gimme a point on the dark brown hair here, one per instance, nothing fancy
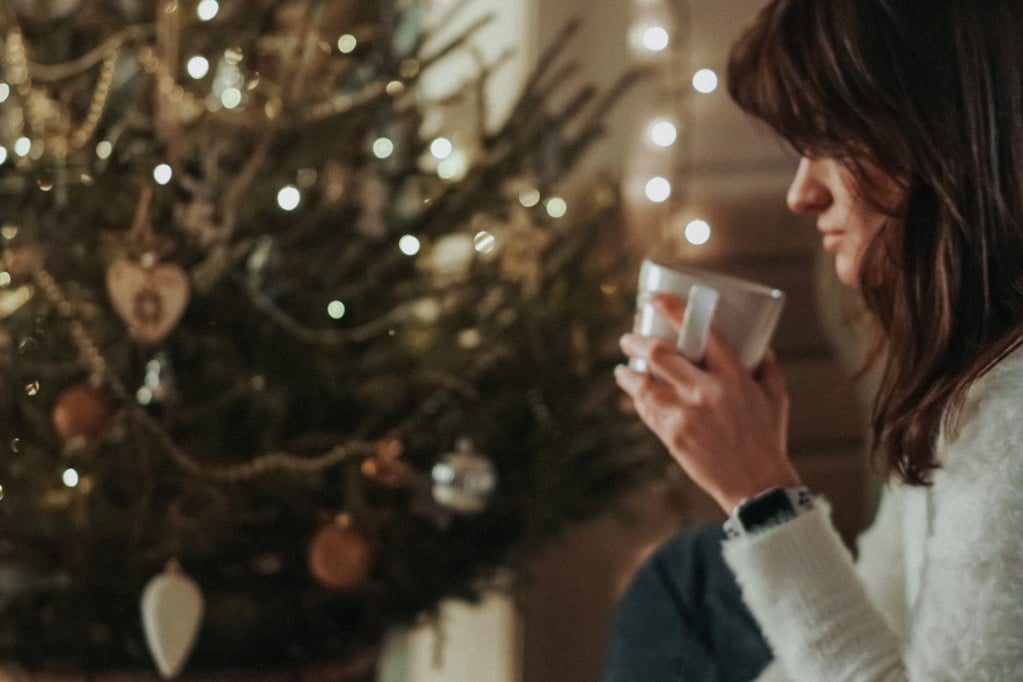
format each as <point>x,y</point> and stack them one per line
<point>931,93</point>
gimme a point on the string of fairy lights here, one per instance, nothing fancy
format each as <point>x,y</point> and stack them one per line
<point>219,83</point>
<point>228,86</point>
<point>448,159</point>
<point>657,164</point>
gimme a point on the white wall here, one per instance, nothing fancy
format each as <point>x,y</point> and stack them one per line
<point>510,30</point>
<point>468,643</point>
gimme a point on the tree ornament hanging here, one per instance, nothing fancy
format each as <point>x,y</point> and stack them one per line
<point>340,556</point>
<point>172,609</point>
<point>149,297</point>
<point>81,413</point>
<point>464,480</point>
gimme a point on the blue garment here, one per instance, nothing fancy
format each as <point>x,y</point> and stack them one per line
<point>683,619</point>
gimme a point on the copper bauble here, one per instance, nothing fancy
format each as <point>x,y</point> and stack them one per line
<point>340,556</point>
<point>82,411</point>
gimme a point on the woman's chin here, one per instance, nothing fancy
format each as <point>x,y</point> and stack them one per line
<point>847,271</point>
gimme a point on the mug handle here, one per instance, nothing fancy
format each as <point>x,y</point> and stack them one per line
<point>701,303</point>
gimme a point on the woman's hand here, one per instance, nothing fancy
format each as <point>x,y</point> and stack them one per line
<point>724,426</point>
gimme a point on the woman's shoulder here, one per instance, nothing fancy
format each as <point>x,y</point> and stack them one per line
<point>986,441</point>
<point>1000,388</point>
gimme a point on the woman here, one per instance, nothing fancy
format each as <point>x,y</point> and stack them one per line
<point>908,116</point>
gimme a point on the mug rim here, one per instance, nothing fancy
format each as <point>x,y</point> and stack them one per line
<point>712,277</point>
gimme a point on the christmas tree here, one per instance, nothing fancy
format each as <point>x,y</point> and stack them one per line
<point>288,350</point>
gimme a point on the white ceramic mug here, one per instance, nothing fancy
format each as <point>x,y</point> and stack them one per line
<point>742,313</point>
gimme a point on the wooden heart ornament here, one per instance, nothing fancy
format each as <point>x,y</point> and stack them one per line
<point>150,300</point>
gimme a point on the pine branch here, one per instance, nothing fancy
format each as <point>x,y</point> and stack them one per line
<point>456,42</point>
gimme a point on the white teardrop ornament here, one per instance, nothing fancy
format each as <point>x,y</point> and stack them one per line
<point>172,608</point>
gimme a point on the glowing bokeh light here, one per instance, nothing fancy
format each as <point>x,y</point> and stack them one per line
<point>289,197</point>
<point>197,67</point>
<point>383,147</point>
<point>663,133</point>
<point>657,189</point>
<point>484,242</point>
<point>557,207</point>
<point>336,309</point>
<point>529,197</point>
<point>347,43</point>
<point>441,148</point>
<point>409,245</point>
<point>22,146</point>
<point>231,98</point>
<point>70,477</point>
<point>655,38</point>
<point>705,81</point>
<point>697,232</point>
<point>163,174</point>
<point>453,167</point>
<point>207,9</point>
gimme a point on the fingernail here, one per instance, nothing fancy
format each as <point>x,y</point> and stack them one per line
<point>627,341</point>
<point>620,371</point>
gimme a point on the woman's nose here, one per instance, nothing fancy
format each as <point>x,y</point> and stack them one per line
<point>808,193</point>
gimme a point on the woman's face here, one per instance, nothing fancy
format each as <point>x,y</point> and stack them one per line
<point>847,221</point>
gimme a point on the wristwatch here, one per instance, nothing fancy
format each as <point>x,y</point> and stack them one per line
<point>766,510</point>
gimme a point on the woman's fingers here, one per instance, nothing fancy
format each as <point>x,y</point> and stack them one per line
<point>662,359</point>
<point>670,307</point>
<point>656,403</point>
<point>717,355</point>
<point>771,380</point>
<point>770,377</point>
<point>642,388</point>
<point>720,358</point>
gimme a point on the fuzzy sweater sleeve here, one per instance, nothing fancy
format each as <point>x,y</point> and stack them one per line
<point>799,581</point>
<point>967,624</point>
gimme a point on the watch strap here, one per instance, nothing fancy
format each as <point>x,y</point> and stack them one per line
<point>766,510</point>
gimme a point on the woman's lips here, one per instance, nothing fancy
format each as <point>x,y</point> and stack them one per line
<point>832,240</point>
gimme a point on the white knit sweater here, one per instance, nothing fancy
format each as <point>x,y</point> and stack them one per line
<point>937,592</point>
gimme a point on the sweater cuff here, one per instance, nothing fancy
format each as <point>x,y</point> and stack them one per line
<point>807,543</point>
<point>799,582</point>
